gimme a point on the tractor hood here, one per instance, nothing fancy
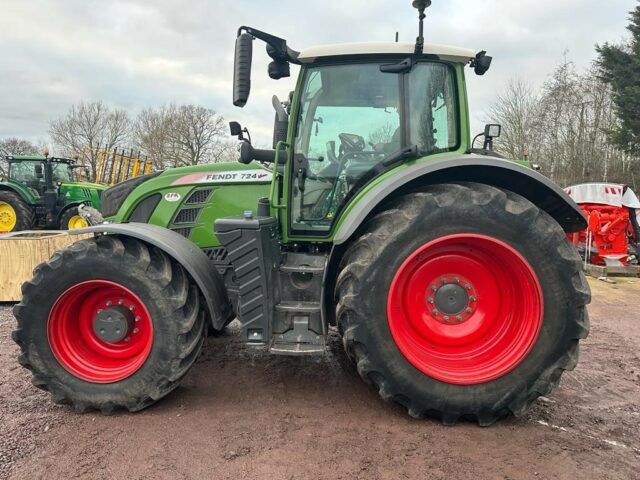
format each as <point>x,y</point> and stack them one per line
<point>218,173</point>
<point>94,186</point>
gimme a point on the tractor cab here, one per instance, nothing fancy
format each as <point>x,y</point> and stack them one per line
<point>359,111</point>
<point>34,171</point>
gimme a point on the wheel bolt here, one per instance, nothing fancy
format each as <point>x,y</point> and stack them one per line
<point>99,310</point>
<point>136,330</point>
<point>472,298</point>
<point>137,319</point>
<point>127,339</point>
<point>459,318</point>
<point>132,308</point>
<point>445,318</point>
<point>457,280</point>
<point>120,302</point>
<point>434,311</point>
<point>443,280</point>
<point>467,286</point>
<point>434,288</point>
<point>109,303</point>
<point>468,310</point>
<point>430,300</point>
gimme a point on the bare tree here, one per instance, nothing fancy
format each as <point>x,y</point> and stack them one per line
<point>517,110</point>
<point>89,126</point>
<point>183,135</point>
<point>16,146</point>
<point>566,125</point>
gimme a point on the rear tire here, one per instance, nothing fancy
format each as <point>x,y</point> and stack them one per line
<point>400,341</point>
<point>23,216</point>
<point>64,297</point>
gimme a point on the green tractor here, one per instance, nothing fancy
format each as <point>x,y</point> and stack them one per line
<point>445,270</point>
<point>42,191</point>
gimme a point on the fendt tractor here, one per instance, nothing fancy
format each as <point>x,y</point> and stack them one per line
<point>43,191</point>
<point>446,270</point>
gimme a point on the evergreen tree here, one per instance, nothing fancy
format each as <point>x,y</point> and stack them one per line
<point>619,66</point>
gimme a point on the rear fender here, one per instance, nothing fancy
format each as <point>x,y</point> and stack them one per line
<point>183,251</point>
<point>497,172</point>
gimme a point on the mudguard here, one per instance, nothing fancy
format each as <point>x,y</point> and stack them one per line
<point>183,251</point>
<point>497,172</point>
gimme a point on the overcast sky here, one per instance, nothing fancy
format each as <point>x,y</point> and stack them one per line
<point>134,54</point>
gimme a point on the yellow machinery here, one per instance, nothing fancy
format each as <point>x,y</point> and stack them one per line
<point>117,165</point>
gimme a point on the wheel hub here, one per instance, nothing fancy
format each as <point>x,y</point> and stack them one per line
<point>452,299</point>
<point>113,324</point>
<point>467,329</point>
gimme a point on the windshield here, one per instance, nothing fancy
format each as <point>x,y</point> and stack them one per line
<point>62,172</point>
<point>350,119</point>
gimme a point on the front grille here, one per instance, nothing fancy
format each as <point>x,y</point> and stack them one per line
<point>199,196</point>
<point>187,215</point>
<point>184,231</point>
<point>216,254</point>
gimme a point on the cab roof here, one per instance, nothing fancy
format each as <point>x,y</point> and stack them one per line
<point>38,158</point>
<point>444,52</point>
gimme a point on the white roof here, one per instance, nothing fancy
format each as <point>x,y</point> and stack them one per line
<point>452,54</point>
<point>603,193</point>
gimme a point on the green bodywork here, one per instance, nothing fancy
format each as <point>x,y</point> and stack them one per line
<point>233,191</point>
<point>69,192</point>
<point>234,196</point>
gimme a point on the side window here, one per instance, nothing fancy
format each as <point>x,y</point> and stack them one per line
<point>23,172</point>
<point>432,108</point>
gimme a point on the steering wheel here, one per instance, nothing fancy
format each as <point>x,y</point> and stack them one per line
<point>350,142</point>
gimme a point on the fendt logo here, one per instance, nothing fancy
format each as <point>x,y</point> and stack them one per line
<point>239,176</point>
<point>229,177</point>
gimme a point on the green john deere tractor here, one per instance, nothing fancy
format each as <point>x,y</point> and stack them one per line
<point>446,270</point>
<point>42,191</point>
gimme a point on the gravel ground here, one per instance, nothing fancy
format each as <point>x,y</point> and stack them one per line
<point>245,414</point>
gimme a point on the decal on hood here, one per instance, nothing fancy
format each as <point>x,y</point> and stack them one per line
<point>233,176</point>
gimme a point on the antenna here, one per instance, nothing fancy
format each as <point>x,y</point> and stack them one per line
<point>421,5</point>
<point>396,37</point>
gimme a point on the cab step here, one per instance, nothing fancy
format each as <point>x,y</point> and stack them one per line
<point>300,339</point>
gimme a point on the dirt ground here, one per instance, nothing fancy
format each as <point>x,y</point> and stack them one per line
<point>245,414</point>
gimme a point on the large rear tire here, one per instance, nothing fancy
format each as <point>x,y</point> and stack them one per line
<point>462,301</point>
<point>109,323</point>
<point>15,214</point>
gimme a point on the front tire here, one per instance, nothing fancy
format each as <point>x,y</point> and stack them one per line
<point>109,323</point>
<point>15,214</point>
<point>462,301</point>
<point>71,220</point>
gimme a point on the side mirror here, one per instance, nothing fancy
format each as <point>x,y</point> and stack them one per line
<point>38,169</point>
<point>481,63</point>
<point>242,69</point>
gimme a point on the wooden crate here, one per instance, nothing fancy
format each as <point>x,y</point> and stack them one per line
<point>21,252</point>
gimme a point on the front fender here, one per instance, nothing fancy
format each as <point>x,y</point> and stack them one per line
<point>183,251</point>
<point>497,172</point>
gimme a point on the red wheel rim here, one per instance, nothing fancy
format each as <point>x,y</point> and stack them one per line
<point>75,336</point>
<point>465,309</point>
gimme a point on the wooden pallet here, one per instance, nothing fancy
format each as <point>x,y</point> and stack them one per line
<point>600,271</point>
<point>21,252</point>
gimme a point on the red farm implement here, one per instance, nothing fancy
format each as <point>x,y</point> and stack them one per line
<point>612,236</point>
